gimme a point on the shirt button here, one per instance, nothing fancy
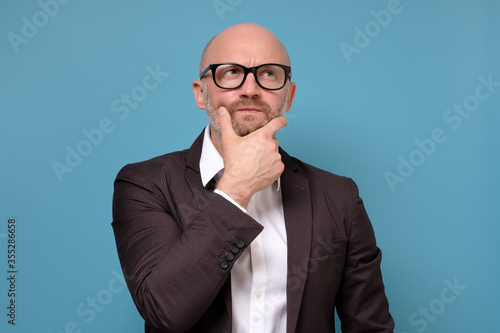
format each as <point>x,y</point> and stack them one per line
<point>256,246</point>
<point>258,294</point>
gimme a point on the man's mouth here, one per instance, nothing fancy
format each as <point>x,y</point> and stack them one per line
<point>248,109</point>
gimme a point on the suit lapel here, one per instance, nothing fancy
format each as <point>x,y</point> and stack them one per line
<point>298,221</point>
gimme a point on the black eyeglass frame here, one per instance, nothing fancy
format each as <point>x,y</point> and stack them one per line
<point>247,70</point>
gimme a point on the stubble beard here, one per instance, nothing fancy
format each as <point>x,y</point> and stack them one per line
<point>247,126</point>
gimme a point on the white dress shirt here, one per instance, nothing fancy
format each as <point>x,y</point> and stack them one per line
<point>259,276</point>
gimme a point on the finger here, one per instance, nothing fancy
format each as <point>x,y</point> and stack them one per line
<point>273,126</point>
<point>225,122</point>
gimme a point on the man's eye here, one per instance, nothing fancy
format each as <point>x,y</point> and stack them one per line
<point>232,71</point>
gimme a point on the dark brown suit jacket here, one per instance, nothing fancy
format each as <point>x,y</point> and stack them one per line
<point>172,235</point>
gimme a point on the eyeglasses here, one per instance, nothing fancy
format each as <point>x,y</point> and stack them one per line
<point>231,76</point>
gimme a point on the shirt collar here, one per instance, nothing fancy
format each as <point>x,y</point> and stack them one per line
<point>211,163</point>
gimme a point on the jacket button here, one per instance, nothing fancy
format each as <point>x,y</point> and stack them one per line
<point>234,249</point>
<point>223,264</point>
<point>229,256</point>
<point>240,243</point>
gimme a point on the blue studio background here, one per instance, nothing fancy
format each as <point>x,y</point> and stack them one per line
<point>402,96</point>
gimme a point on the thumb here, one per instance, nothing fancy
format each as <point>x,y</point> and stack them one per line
<point>273,126</point>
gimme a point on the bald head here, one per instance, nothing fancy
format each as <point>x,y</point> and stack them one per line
<point>248,44</point>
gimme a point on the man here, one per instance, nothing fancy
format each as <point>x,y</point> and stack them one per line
<point>233,234</point>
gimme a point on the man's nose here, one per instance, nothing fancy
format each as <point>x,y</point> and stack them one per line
<point>250,88</point>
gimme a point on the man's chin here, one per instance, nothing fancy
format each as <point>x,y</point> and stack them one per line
<point>246,127</point>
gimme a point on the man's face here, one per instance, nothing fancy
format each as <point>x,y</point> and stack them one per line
<point>250,105</point>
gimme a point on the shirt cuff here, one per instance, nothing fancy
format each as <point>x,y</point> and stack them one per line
<point>230,200</point>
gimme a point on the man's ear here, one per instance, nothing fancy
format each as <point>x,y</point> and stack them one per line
<point>291,95</point>
<point>198,94</point>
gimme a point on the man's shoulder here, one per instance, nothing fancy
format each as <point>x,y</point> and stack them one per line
<point>175,157</point>
<point>163,168</point>
<point>156,166</point>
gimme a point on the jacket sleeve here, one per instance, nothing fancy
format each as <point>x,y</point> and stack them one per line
<point>362,305</point>
<point>174,270</point>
